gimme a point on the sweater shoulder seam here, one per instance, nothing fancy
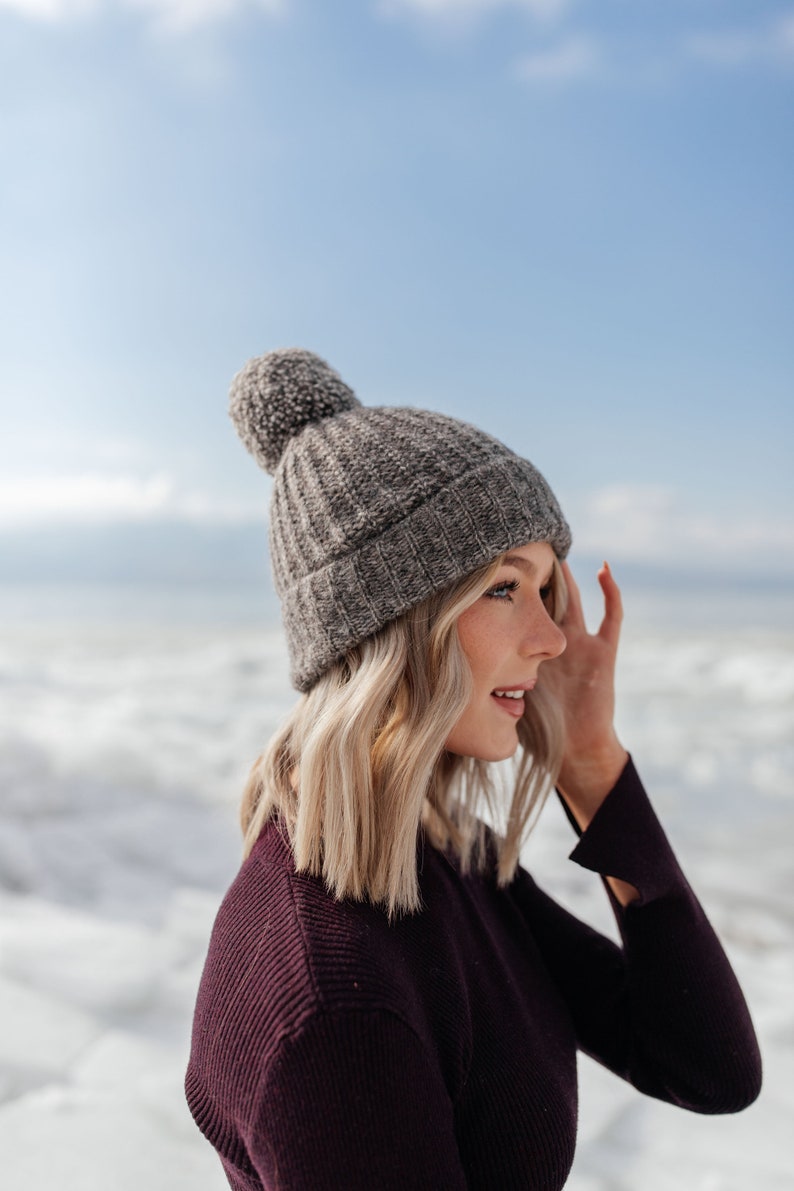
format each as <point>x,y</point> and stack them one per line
<point>307,958</point>
<point>328,1013</point>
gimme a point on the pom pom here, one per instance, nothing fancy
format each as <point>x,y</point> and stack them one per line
<point>274,396</point>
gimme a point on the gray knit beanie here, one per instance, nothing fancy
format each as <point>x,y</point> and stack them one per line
<point>374,509</point>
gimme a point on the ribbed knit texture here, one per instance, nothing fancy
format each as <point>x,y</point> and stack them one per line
<point>335,1052</point>
<point>375,509</point>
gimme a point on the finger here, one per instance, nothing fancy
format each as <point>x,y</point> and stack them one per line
<point>609,629</point>
<point>574,614</point>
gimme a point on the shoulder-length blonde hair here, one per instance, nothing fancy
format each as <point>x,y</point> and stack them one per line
<point>360,764</point>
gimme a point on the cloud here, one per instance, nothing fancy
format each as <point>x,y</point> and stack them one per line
<point>735,48</point>
<point>100,498</point>
<point>51,10</point>
<point>656,526</point>
<point>178,15</point>
<point>574,58</point>
<point>463,10</point>
<point>171,15</point>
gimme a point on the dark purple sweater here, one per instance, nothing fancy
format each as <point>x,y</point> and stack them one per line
<point>335,1052</point>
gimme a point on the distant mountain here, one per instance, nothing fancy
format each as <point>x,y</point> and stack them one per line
<point>179,552</point>
<point>170,552</point>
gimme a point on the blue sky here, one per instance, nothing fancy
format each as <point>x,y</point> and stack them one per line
<point>567,222</point>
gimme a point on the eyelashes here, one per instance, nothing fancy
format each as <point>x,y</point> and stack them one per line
<point>502,591</point>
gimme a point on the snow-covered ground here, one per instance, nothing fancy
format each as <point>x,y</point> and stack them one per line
<point>127,723</point>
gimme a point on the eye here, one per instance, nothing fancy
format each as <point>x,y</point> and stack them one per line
<point>546,593</point>
<point>502,590</point>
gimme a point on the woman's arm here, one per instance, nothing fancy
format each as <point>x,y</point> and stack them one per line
<point>665,1011</point>
<point>352,1100</point>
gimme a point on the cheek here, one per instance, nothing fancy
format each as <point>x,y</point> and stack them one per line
<point>479,635</point>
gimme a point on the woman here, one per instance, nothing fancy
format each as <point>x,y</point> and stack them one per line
<point>389,1001</point>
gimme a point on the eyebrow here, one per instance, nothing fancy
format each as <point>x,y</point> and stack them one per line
<point>524,564</point>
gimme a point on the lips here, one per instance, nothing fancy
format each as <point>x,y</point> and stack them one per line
<point>511,698</point>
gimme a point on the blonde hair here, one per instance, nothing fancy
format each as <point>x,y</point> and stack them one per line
<point>360,764</point>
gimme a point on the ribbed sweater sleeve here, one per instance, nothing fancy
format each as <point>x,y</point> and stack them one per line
<point>665,1011</point>
<point>352,1101</point>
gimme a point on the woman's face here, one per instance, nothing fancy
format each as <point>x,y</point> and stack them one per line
<point>506,635</point>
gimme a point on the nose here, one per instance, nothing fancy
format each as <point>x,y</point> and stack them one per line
<point>544,638</point>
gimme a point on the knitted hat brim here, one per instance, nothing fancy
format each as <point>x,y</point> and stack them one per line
<point>486,512</point>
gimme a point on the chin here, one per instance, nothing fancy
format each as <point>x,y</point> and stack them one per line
<point>481,750</point>
<point>503,754</point>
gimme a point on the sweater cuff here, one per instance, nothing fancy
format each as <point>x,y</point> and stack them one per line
<point>625,839</point>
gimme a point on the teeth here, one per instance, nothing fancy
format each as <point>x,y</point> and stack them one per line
<point>509,694</point>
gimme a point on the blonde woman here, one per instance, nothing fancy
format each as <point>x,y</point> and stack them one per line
<point>389,1000</point>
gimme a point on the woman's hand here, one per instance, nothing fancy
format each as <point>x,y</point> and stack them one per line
<point>583,681</point>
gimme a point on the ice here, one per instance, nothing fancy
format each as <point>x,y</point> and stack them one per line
<point>125,740</point>
<point>94,1139</point>
<point>46,1039</point>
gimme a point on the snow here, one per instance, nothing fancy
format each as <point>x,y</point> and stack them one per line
<point>125,739</point>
